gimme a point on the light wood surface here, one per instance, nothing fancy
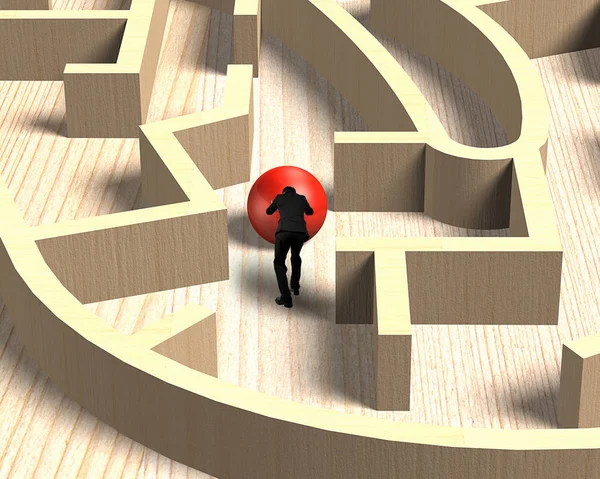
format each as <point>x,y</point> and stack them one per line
<point>511,370</point>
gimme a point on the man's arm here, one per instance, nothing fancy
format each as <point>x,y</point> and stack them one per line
<point>307,209</point>
<point>273,207</point>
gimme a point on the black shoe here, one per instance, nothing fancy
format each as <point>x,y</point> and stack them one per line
<point>296,291</point>
<point>287,302</point>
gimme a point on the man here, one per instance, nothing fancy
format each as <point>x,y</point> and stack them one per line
<point>291,233</point>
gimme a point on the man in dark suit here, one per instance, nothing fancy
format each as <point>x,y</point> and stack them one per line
<point>291,233</point>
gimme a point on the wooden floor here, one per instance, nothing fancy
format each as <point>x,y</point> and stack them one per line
<point>470,376</point>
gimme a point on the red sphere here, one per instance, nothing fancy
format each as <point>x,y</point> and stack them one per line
<point>270,184</point>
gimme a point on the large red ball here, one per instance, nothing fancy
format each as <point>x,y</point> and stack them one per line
<point>270,184</point>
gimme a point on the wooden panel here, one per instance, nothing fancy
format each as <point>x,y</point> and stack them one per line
<point>151,53</point>
<point>108,59</point>
<point>247,33</point>
<point>195,346</point>
<point>223,163</point>
<point>140,258</point>
<point>378,172</point>
<point>561,26</point>
<point>25,4</point>
<point>428,25</point>
<point>467,193</point>
<point>484,288</point>
<point>391,333</point>
<point>354,287</point>
<point>112,100</point>
<point>112,110</point>
<point>158,185</point>
<point>39,48</point>
<point>580,383</point>
<point>518,223</point>
<point>225,6</point>
<point>571,384</point>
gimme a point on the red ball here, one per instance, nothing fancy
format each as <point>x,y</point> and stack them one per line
<point>270,184</point>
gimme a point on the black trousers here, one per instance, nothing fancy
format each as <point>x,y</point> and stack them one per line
<point>284,241</point>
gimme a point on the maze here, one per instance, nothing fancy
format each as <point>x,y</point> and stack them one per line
<point>160,386</point>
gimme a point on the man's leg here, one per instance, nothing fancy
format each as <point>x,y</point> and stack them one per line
<point>282,246</point>
<point>296,246</point>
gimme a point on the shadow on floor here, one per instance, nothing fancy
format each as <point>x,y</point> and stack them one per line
<point>55,124</point>
<point>125,191</point>
<point>592,141</point>
<point>536,402</point>
<point>337,359</point>
<point>588,37</point>
<point>212,61</point>
<point>540,404</point>
<point>242,233</point>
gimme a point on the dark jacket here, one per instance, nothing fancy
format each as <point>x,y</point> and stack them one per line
<point>292,207</point>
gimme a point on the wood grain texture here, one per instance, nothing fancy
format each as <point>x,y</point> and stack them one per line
<point>219,142</point>
<point>579,383</point>
<point>391,333</point>
<point>472,55</point>
<point>378,172</point>
<point>90,115</point>
<point>25,4</point>
<point>111,101</point>
<point>126,264</point>
<point>353,62</point>
<point>126,370</point>
<point>105,58</point>
<point>247,32</point>
<point>571,391</point>
<point>491,287</point>
<point>189,236</point>
<point>225,6</point>
<point>32,49</point>
<point>189,337</point>
<point>507,379</point>
<point>354,287</point>
<point>469,193</point>
<point>470,281</point>
<point>562,26</point>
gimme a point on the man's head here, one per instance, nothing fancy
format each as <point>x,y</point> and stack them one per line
<point>289,189</point>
